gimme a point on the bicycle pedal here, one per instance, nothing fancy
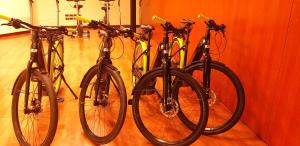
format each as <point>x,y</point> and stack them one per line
<point>130,102</point>
<point>60,99</point>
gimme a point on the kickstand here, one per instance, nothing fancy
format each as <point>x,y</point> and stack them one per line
<point>64,79</point>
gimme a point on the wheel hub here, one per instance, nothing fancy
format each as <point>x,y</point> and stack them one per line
<point>172,110</point>
<point>212,98</point>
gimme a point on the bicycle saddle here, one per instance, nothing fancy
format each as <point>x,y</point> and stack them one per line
<point>185,21</point>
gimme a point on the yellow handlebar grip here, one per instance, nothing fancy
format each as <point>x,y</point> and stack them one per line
<point>203,17</point>
<point>80,18</point>
<point>5,17</point>
<point>160,20</point>
<point>136,35</point>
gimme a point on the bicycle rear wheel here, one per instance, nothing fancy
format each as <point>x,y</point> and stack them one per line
<point>226,98</point>
<point>102,116</point>
<point>37,125</point>
<point>162,126</point>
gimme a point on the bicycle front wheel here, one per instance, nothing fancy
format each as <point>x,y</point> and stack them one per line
<point>160,124</point>
<point>102,115</point>
<point>226,98</point>
<point>37,124</point>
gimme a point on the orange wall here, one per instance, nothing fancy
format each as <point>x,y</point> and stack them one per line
<point>262,48</point>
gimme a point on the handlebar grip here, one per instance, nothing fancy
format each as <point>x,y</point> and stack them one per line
<point>160,20</point>
<point>5,17</point>
<point>80,18</point>
<point>203,17</point>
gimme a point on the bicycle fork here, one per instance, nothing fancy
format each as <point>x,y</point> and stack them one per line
<point>207,71</point>
<point>166,76</point>
<point>101,79</point>
<point>33,59</point>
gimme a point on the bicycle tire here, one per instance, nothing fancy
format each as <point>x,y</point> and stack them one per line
<point>113,76</point>
<point>199,95</point>
<point>240,101</point>
<point>47,86</point>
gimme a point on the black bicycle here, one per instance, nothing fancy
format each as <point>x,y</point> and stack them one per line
<point>34,104</point>
<point>155,103</point>
<point>102,103</point>
<point>223,88</point>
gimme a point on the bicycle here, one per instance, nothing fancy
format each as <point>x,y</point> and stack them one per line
<point>155,104</point>
<point>225,105</point>
<point>102,91</point>
<point>34,88</point>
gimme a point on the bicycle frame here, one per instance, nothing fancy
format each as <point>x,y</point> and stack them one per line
<point>54,42</point>
<point>202,51</point>
<point>162,58</point>
<point>145,54</point>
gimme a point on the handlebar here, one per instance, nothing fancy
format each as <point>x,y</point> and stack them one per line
<point>211,24</point>
<point>111,30</point>
<point>17,23</point>
<point>168,26</point>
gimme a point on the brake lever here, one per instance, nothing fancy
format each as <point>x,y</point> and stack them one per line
<point>8,24</point>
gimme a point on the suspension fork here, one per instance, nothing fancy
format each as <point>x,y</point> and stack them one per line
<point>207,70</point>
<point>27,83</point>
<point>33,58</point>
<point>166,74</point>
<point>104,58</point>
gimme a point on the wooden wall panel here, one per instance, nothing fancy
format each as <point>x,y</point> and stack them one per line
<point>256,50</point>
<point>285,116</point>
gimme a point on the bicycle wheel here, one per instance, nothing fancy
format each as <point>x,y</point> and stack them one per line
<point>140,62</point>
<point>161,126</point>
<point>226,98</point>
<point>37,125</point>
<point>102,116</point>
<point>56,65</point>
<point>175,52</point>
